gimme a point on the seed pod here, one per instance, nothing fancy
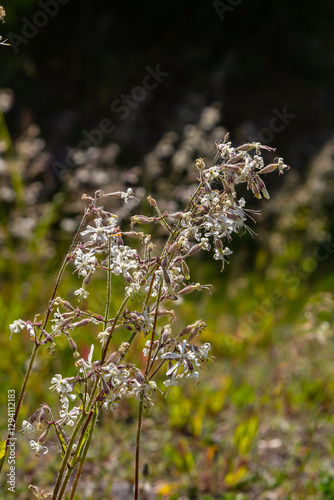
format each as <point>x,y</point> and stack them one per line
<point>43,436</point>
<point>73,345</point>
<point>113,358</point>
<point>268,168</point>
<point>228,191</point>
<point>255,189</point>
<point>87,278</point>
<point>41,415</point>
<point>82,322</point>
<point>234,168</point>
<point>140,219</point>
<point>196,248</point>
<point>165,333</point>
<point>47,336</point>
<point>185,269</point>
<point>33,417</point>
<point>172,248</point>
<point>248,146</point>
<point>105,387</point>
<point>166,275</point>
<point>176,215</point>
<point>133,234</point>
<point>190,289</point>
<point>262,186</point>
<point>115,194</point>
<point>139,376</point>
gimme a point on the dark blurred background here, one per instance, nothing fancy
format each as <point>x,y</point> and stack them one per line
<point>250,57</point>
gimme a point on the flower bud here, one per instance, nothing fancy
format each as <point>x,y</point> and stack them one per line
<point>152,201</point>
<point>73,345</point>
<point>200,164</point>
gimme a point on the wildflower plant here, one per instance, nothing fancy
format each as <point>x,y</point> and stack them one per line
<point>154,276</point>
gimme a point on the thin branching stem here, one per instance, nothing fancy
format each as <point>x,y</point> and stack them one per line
<point>84,453</point>
<point>140,416</point>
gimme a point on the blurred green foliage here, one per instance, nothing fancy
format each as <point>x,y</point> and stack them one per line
<point>259,425</point>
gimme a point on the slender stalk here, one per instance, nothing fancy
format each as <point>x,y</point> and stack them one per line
<point>105,349</point>
<point>71,465</point>
<point>140,415</point>
<point>66,456</point>
<point>108,285</point>
<point>83,457</point>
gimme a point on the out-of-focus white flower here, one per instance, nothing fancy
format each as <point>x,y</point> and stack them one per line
<point>87,365</point>
<point>111,404</point>
<point>17,326</point>
<point>128,195</point>
<point>27,427</point>
<point>68,417</point>
<point>103,336</point>
<point>38,447</point>
<point>81,293</point>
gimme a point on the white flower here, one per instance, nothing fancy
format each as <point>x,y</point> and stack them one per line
<point>38,447</point>
<point>27,427</point>
<point>211,173</point>
<point>146,349</point>
<point>146,321</point>
<point>143,388</point>
<point>60,384</point>
<point>81,293</point>
<point>58,321</point>
<point>132,290</point>
<point>124,258</point>
<point>68,417</point>
<point>100,233</point>
<point>205,245</point>
<point>220,253</point>
<point>201,353</point>
<point>183,359</point>
<point>110,404</point>
<point>84,262</point>
<point>170,382</point>
<point>17,326</point>
<point>87,365</point>
<point>103,336</point>
<point>31,331</point>
<point>128,195</point>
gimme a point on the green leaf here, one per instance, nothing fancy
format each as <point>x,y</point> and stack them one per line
<point>3,448</point>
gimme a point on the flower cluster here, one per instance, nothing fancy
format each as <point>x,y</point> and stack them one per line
<point>152,277</point>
